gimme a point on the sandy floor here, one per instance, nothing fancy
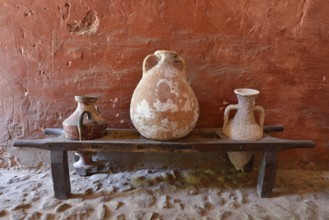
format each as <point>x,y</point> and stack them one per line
<point>165,194</point>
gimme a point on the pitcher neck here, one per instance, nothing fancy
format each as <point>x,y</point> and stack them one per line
<point>84,101</point>
<point>246,102</point>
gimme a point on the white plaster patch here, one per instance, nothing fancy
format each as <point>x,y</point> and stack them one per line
<point>165,129</point>
<point>169,126</point>
<point>164,122</point>
<point>143,110</point>
<point>166,106</point>
<point>187,106</point>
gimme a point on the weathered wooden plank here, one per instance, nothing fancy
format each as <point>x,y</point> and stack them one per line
<point>143,145</point>
<point>60,174</point>
<point>134,132</point>
<point>267,174</point>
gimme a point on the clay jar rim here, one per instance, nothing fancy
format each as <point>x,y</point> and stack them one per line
<point>86,98</point>
<point>159,52</point>
<point>246,92</point>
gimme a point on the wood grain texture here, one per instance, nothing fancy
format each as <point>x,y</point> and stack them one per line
<point>200,140</point>
<point>60,174</point>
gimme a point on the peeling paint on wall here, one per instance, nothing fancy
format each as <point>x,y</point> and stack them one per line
<point>88,25</point>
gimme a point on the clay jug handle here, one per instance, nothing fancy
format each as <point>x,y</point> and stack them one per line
<point>149,62</point>
<point>227,113</point>
<point>80,124</point>
<point>182,62</point>
<point>97,109</point>
<point>262,114</point>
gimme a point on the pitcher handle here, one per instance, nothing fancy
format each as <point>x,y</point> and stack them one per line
<point>227,113</point>
<point>262,114</point>
<point>149,62</point>
<point>80,124</point>
<point>182,62</point>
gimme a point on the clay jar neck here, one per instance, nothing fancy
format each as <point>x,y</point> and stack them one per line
<point>84,101</point>
<point>166,56</point>
<point>246,102</point>
<point>171,59</point>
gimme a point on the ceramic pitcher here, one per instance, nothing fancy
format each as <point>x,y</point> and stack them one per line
<point>76,127</point>
<point>243,126</point>
<point>163,105</point>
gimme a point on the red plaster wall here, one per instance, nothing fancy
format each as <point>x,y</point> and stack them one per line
<point>278,47</point>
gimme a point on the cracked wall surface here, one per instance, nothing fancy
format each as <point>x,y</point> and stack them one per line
<point>53,50</point>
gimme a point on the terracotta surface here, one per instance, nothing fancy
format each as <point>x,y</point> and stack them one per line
<point>243,125</point>
<point>85,123</point>
<point>163,105</point>
<point>51,51</point>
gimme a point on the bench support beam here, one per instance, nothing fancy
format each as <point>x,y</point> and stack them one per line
<point>267,173</point>
<point>60,174</point>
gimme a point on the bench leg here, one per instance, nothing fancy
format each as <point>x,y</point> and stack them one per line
<point>60,174</point>
<point>267,173</point>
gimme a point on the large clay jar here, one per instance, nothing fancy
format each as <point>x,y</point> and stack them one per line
<point>243,125</point>
<point>163,105</point>
<point>78,128</point>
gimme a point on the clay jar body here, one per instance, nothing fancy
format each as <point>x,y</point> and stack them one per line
<point>78,128</point>
<point>243,126</point>
<point>163,105</point>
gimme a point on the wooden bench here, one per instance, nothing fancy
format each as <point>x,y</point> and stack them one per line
<point>129,140</point>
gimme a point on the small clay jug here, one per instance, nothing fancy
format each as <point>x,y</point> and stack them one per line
<point>76,127</point>
<point>243,125</point>
<point>163,105</point>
